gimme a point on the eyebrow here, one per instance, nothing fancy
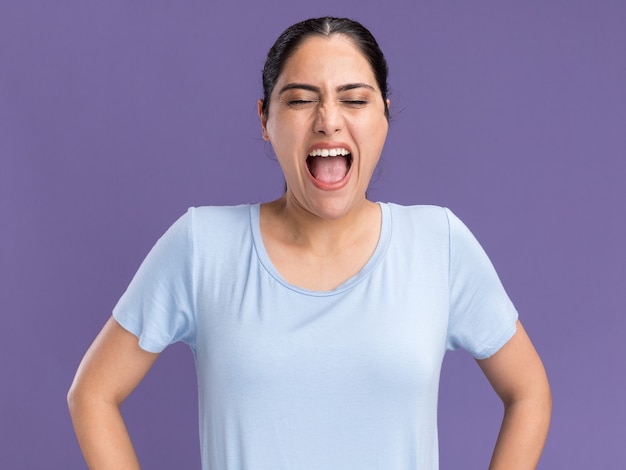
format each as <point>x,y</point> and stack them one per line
<point>304,86</point>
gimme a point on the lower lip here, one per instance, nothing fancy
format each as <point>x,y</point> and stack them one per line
<point>331,186</point>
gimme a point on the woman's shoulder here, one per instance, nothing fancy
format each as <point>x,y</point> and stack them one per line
<point>424,218</point>
<point>217,221</point>
<point>220,214</point>
<point>422,212</point>
<point>222,211</point>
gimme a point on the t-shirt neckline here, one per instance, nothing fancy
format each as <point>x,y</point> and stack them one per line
<point>268,266</point>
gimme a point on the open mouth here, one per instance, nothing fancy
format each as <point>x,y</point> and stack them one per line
<point>329,165</point>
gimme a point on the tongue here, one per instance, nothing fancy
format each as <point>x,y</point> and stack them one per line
<point>328,169</point>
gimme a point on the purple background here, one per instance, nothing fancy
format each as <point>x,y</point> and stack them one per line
<point>116,116</point>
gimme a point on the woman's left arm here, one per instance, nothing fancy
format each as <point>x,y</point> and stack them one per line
<point>517,375</point>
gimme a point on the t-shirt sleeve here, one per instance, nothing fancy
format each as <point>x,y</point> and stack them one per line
<point>482,317</point>
<point>158,306</point>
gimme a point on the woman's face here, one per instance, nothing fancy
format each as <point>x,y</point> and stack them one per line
<point>326,122</point>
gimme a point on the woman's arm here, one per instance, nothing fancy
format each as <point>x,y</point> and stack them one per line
<point>111,369</point>
<point>517,375</point>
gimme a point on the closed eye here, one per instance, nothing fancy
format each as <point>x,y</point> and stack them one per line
<point>354,102</point>
<point>296,103</point>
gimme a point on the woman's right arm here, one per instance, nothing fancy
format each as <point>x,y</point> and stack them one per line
<point>111,369</point>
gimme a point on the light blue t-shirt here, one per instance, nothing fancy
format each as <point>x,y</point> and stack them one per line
<point>292,379</point>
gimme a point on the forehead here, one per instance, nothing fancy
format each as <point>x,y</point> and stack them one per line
<point>334,59</point>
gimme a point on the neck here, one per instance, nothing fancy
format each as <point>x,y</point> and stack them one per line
<point>325,236</point>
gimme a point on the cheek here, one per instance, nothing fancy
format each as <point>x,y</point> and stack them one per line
<point>285,143</point>
<point>381,126</point>
<point>286,136</point>
<point>371,134</point>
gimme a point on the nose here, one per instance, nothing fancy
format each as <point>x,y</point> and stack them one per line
<point>328,119</point>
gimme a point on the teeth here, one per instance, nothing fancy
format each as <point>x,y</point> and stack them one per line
<point>329,152</point>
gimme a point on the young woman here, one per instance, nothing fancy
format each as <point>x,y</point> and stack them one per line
<point>318,321</point>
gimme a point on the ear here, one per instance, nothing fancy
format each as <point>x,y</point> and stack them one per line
<point>263,119</point>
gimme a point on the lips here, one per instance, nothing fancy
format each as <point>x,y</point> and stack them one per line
<point>329,166</point>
